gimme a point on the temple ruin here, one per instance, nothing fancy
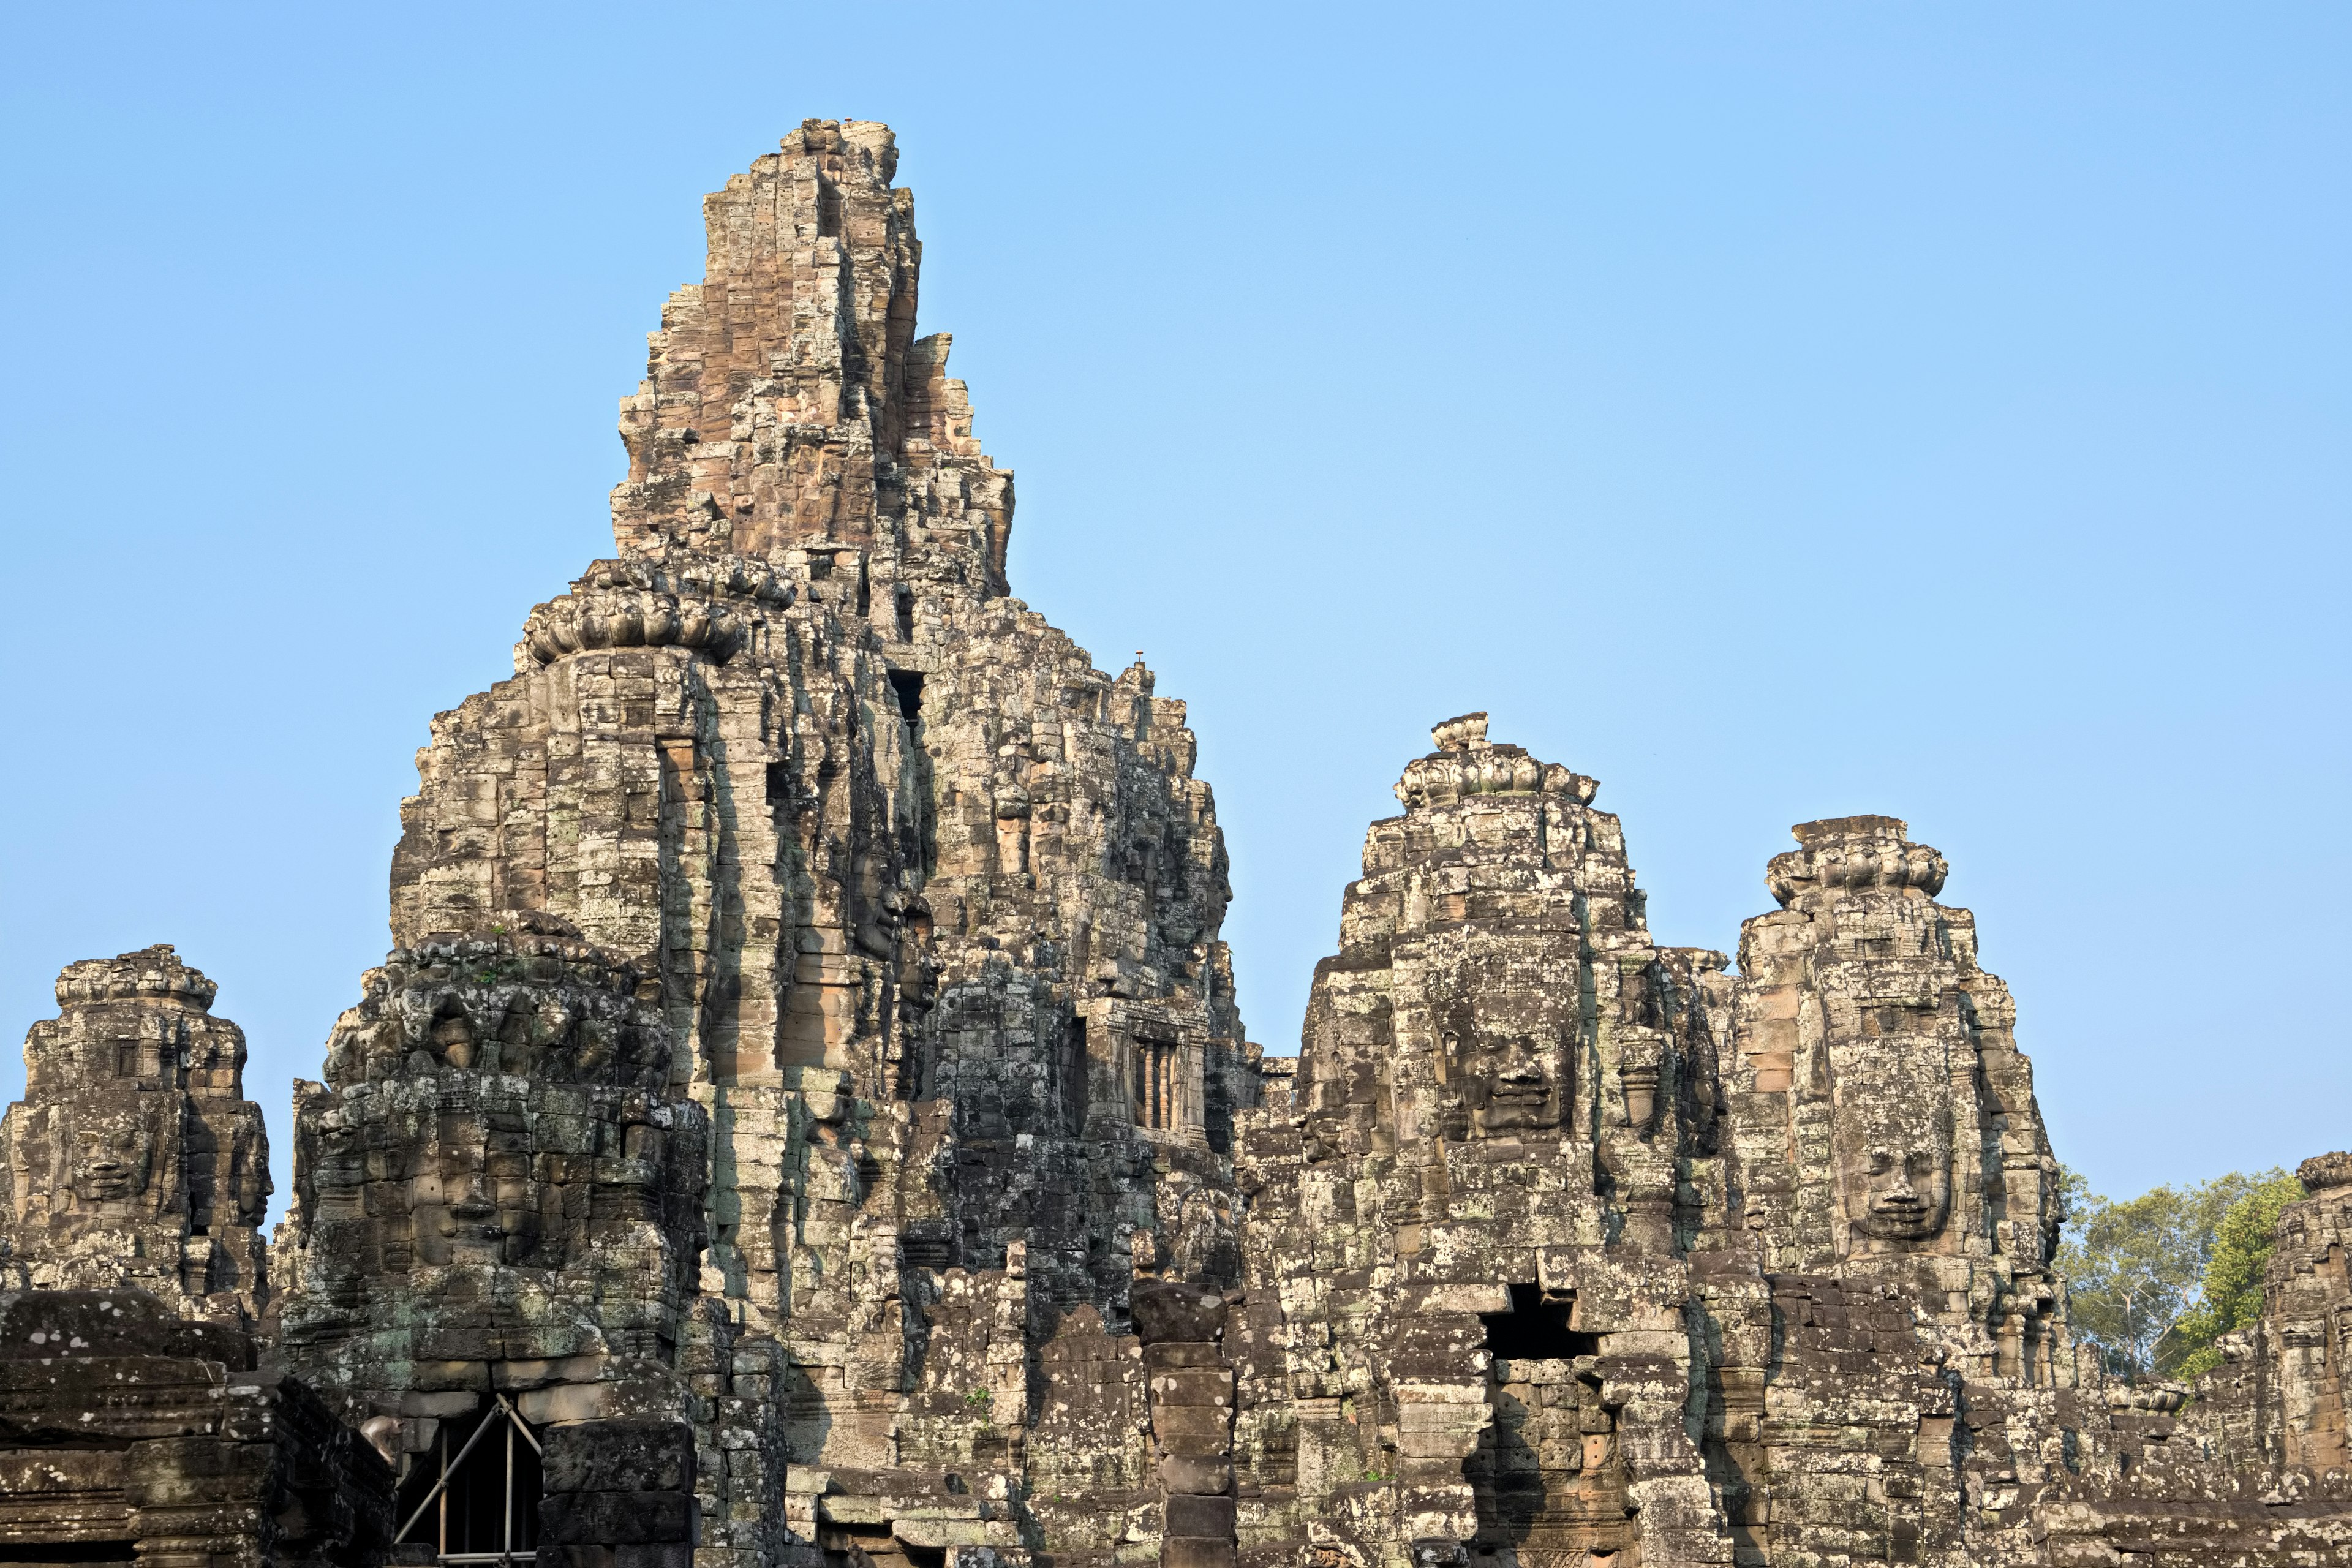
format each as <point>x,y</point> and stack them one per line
<point>803,1118</point>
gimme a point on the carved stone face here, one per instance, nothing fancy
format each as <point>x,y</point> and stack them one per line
<point>1893,1138</point>
<point>111,1149</point>
<point>461,1213</point>
<point>1509,1082</point>
<point>1903,1194</point>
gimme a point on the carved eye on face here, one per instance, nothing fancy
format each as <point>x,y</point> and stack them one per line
<point>1882,1161</point>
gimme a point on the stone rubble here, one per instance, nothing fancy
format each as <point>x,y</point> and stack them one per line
<point>804,1120</point>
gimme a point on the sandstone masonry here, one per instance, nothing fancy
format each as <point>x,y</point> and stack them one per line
<point>803,1120</point>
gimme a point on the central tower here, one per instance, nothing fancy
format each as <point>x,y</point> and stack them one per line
<point>808,960</point>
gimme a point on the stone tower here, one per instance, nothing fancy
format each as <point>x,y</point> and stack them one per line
<point>806,997</point>
<point>1562,1247</point>
<point>803,1118</point>
<point>1465,1327</point>
<point>134,1158</point>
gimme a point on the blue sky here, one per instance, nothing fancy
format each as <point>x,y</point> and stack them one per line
<point>1774,412</point>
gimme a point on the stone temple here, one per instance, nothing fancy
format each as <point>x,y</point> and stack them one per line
<point>803,1120</point>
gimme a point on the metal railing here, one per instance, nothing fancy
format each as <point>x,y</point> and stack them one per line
<point>512,1425</point>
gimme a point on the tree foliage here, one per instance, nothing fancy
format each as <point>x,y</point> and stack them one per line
<point>2230,1296</point>
<point>2148,1277</point>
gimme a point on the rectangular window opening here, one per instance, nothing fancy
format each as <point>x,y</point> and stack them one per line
<point>1155,1084</point>
<point>475,1497</point>
<point>1535,1329</point>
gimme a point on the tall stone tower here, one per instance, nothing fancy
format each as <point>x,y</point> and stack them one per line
<point>807,960</point>
<point>1465,1254</point>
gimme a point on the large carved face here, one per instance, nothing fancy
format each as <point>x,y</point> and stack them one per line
<point>1501,1063</point>
<point>466,1207</point>
<point>1893,1138</point>
<point>1509,1080</point>
<point>111,1151</point>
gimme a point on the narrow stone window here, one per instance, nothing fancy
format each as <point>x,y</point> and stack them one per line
<point>1155,1063</point>
<point>1074,1078</point>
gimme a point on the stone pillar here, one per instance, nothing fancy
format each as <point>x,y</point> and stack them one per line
<point>2307,1312</point>
<point>1190,1399</point>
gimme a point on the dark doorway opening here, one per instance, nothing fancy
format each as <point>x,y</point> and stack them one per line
<point>909,684</point>
<point>473,1495</point>
<point>1536,1329</point>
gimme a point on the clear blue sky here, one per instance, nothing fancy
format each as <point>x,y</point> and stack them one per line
<point>1775,412</point>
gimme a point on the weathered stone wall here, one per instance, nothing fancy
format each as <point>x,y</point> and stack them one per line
<point>1565,1248</point>
<point>805,1117</point>
<point>130,1435</point>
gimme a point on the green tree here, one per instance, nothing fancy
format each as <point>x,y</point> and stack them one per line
<point>2135,1268</point>
<point>2229,1293</point>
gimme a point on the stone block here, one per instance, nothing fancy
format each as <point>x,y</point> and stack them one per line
<point>1196,1552</point>
<point>1164,1310</point>
<point>617,1518</point>
<point>1199,1516</point>
<point>619,1456</point>
<point>1195,1474</point>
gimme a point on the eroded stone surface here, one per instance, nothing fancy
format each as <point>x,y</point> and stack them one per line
<point>805,1120</point>
<point>903,920</point>
<point>129,1433</point>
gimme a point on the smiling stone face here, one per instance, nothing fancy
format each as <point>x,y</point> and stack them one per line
<point>1501,1060</point>
<point>1509,1082</point>
<point>111,1147</point>
<point>1902,1194</point>
<point>1893,1138</point>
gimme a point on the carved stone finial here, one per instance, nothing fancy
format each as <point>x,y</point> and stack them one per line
<point>1853,852</point>
<point>1466,763</point>
<point>1467,732</point>
<point>152,972</point>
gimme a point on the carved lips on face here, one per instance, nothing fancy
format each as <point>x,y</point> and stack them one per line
<point>1906,1193</point>
<point>1509,1084</point>
<point>459,1227</point>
